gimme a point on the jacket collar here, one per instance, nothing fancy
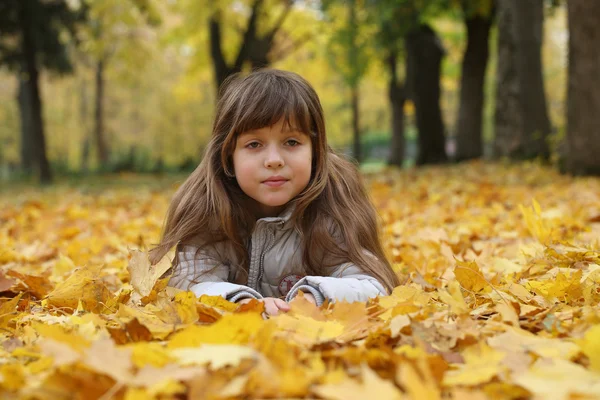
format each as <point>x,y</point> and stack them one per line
<point>284,218</point>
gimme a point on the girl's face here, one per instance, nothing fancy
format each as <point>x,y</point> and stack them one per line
<point>272,165</point>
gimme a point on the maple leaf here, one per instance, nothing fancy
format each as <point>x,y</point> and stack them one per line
<point>470,277</point>
<point>349,389</point>
<point>83,285</point>
<point>143,274</point>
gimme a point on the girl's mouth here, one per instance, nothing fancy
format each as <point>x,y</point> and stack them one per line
<point>275,182</point>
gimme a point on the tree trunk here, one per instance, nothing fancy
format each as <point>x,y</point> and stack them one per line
<point>508,119</point>
<point>529,26</point>
<point>99,115</point>
<point>425,54</point>
<point>221,69</point>
<point>24,101</point>
<point>583,107</point>
<point>259,53</point>
<point>37,124</point>
<point>469,142</point>
<point>254,49</point>
<point>397,96</point>
<point>83,120</point>
<point>356,125</point>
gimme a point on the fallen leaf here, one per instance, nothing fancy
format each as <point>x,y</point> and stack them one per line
<point>217,356</point>
<point>143,274</point>
<point>372,386</point>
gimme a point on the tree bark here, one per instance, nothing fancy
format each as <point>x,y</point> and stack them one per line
<point>222,70</point>
<point>529,26</point>
<point>99,115</point>
<point>469,143</point>
<point>24,101</point>
<point>583,104</point>
<point>508,119</point>
<point>425,54</point>
<point>397,96</point>
<point>29,47</point>
<point>83,120</point>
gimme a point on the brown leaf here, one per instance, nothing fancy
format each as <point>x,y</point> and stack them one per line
<point>6,283</point>
<point>39,286</point>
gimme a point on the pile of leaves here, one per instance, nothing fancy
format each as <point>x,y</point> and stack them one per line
<point>501,300</point>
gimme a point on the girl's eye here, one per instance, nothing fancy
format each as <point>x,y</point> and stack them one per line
<point>253,145</point>
<point>293,142</point>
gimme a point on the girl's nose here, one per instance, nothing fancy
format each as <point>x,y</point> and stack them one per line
<point>274,159</point>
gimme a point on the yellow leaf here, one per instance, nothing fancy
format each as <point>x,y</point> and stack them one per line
<point>62,335</point>
<point>147,318</point>
<point>591,346</point>
<point>371,387</point>
<point>217,356</point>
<point>470,277</point>
<point>508,312</point>
<point>397,323</point>
<point>218,302</point>
<point>231,329</point>
<point>149,353</point>
<point>482,363</point>
<point>556,379</point>
<point>185,304</point>
<point>143,274</point>
<point>9,255</point>
<point>309,330</point>
<point>518,340</point>
<point>151,377</point>
<point>411,352</point>
<point>63,266</point>
<point>13,376</point>
<point>454,298</point>
<point>136,394</point>
<point>43,364</point>
<point>61,353</point>
<point>536,224</point>
<point>83,285</point>
<point>104,357</point>
<point>8,310</point>
<point>418,386</point>
<point>564,286</point>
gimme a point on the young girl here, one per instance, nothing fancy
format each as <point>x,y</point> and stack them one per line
<point>271,209</point>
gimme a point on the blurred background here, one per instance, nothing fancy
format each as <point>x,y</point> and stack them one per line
<point>106,86</point>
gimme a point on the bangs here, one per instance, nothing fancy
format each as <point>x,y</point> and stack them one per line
<point>264,104</point>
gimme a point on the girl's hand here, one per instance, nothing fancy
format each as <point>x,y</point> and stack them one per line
<point>273,306</point>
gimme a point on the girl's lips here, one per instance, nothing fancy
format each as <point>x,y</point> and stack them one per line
<point>275,183</point>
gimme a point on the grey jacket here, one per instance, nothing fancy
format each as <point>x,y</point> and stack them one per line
<point>276,269</point>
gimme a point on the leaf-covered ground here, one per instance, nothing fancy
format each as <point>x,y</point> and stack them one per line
<point>501,299</point>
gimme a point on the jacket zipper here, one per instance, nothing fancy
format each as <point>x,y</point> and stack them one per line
<point>261,266</point>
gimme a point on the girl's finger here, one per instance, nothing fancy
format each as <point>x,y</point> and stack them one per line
<point>271,308</point>
<point>282,305</point>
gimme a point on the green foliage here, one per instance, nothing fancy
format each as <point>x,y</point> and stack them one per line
<point>121,29</point>
<point>349,43</point>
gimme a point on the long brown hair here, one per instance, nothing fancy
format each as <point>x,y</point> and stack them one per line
<point>333,213</point>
